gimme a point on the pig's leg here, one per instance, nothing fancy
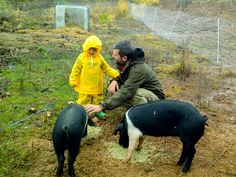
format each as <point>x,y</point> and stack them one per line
<point>182,157</point>
<point>61,159</point>
<point>133,140</point>
<point>140,142</point>
<point>73,152</point>
<point>190,152</point>
<point>185,141</point>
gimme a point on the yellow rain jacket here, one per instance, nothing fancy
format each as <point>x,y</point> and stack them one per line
<point>88,71</point>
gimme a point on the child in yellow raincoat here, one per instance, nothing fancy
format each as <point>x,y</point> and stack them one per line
<point>88,71</point>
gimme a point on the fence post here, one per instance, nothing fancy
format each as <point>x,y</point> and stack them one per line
<point>218,40</point>
<point>173,25</point>
<point>155,14</point>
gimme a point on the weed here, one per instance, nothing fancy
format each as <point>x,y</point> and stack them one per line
<point>123,8</point>
<point>183,69</point>
<point>148,2</point>
<point>106,18</point>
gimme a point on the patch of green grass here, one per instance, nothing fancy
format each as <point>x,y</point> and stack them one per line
<point>14,153</point>
<point>32,82</point>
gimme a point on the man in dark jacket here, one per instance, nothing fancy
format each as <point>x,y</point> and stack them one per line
<point>137,83</point>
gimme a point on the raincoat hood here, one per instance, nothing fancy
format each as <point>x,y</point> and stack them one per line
<point>92,41</point>
<point>87,74</point>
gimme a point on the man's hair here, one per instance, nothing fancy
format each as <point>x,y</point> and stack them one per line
<point>125,48</point>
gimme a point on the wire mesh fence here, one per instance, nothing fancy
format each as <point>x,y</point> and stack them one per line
<point>211,37</point>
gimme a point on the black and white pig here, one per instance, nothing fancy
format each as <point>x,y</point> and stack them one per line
<point>69,129</point>
<point>162,118</point>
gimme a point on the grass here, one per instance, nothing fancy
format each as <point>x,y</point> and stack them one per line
<point>31,83</point>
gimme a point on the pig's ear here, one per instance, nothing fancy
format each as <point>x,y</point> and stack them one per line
<point>119,128</point>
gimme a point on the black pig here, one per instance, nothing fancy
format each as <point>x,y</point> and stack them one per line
<point>163,118</point>
<point>70,127</point>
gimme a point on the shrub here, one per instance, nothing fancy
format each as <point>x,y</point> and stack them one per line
<point>123,8</point>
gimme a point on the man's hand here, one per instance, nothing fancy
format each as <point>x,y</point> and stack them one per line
<point>113,87</point>
<point>92,109</point>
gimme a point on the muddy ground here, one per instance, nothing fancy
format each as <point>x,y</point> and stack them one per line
<point>101,156</point>
<point>215,155</point>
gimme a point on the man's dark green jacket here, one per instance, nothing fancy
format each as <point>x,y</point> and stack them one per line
<point>137,74</point>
